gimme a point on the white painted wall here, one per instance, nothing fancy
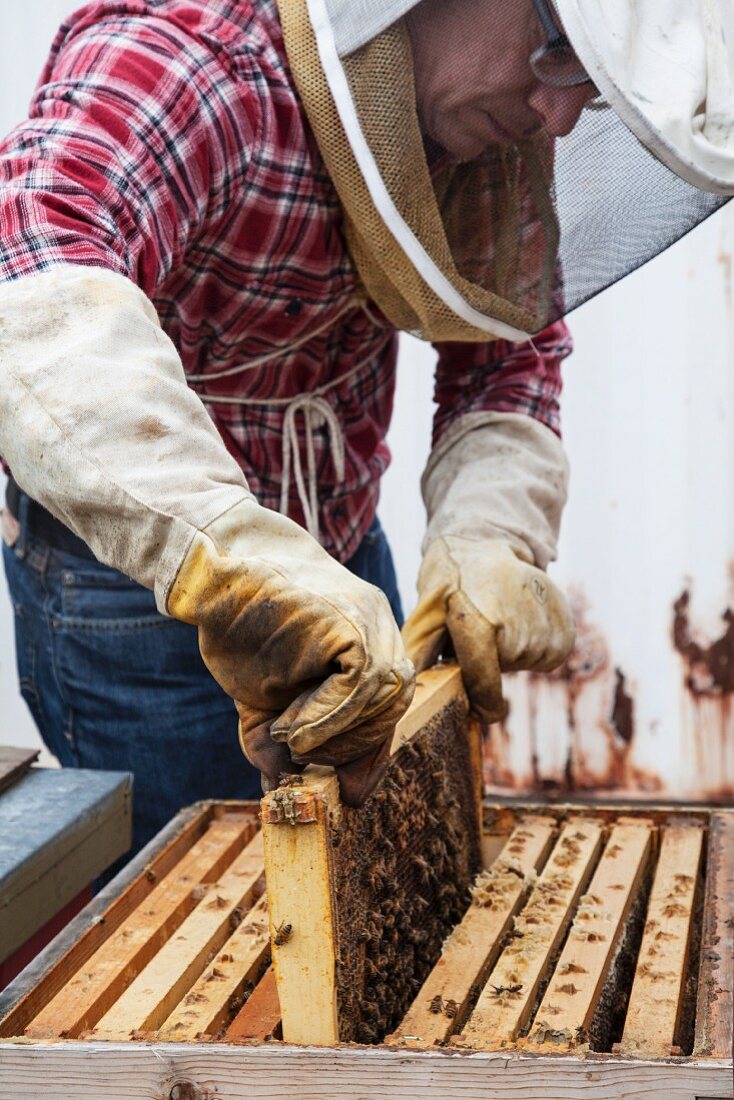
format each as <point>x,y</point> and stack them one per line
<point>648,410</point>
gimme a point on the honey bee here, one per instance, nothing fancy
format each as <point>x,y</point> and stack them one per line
<point>282,934</point>
<point>373,878</point>
<point>498,990</point>
<point>450,1008</point>
<point>290,780</point>
<point>436,1004</point>
<point>424,868</point>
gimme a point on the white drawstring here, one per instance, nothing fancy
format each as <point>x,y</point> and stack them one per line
<point>317,413</point>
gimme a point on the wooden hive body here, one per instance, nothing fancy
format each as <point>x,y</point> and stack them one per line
<point>594,959</point>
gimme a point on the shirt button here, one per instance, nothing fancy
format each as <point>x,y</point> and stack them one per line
<point>294,307</point>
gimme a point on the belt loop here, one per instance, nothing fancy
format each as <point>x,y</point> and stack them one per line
<point>29,547</point>
<point>21,545</point>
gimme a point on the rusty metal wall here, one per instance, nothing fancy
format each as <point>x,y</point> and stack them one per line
<point>645,704</point>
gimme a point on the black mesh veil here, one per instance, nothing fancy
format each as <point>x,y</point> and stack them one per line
<point>617,207</point>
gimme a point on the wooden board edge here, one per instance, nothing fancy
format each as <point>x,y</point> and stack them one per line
<point>646,998</point>
<point>714,1032</point>
<point>263,1072</point>
<point>435,688</point>
<point>305,966</point>
<point>14,763</point>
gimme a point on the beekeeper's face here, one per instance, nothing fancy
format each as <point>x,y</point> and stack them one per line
<point>475,84</point>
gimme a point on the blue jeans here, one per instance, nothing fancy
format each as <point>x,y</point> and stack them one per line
<point>113,684</point>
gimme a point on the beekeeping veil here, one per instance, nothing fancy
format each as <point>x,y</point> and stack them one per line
<point>526,228</point>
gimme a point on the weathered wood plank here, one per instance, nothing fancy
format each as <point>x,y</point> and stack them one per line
<point>473,946</point>
<point>206,1009</point>
<point>89,993</point>
<point>14,763</point>
<point>653,1013</point>
<point>258,1020</point>
<point>569,1002</point>
<point>509,994</point>
<point>143,1071</point>
<point>715,1009</point>
<point>164,982</point>
<point>297,864</point>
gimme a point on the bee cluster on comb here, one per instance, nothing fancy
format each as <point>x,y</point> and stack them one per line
<point>403,867</point>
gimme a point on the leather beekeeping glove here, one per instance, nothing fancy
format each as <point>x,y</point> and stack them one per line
<point>99,426</point>
<point>311,655</point>
<point>494,490</point>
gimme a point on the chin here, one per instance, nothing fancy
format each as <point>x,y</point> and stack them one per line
<point>459,148</point>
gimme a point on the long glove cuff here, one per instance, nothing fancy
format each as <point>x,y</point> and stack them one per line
<point>498,475</point>
<point>99,425</point>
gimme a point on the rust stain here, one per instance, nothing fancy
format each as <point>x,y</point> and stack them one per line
<point>708,682</point>
<point>600,718</point>
<point>710,668</point>
<point>623,709</point>
<point>595,700</point>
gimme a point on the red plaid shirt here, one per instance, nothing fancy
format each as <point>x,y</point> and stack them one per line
<point>165,141</point>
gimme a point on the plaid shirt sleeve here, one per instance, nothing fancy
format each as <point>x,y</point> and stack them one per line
<point>502,377</point>
<point>130,144</point>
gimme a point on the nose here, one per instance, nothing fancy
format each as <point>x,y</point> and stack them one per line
<point>559,109</point>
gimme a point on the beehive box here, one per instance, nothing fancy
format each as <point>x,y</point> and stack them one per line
<point>593,957</point>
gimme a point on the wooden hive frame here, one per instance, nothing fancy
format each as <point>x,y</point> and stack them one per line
<point>322,920</point>
<point>240,1055</point>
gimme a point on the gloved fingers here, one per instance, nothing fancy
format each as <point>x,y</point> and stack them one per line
<point>362,737</point>
<point>359,778</point>
<point>542,639</point>
<point>271,758</point>
<point>475,644</point>
<point>367,693</point>
<point>374,726</point>
<point>425,634</point>
<point>560,641</point>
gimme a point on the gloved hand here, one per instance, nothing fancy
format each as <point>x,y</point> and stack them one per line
<point>310,653</point>
<point>494,489</point>
<point>496,611</point>
<point>99,426</point>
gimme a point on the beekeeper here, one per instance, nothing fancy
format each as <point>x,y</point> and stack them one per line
<point>215,219</point>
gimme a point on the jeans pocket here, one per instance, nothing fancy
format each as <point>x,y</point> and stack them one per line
<point>93,596</point>
<point>25,657</point>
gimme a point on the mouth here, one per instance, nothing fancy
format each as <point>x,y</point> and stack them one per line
<point>471,133</point>
<point>507,136</point>
<point>499,132</point>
